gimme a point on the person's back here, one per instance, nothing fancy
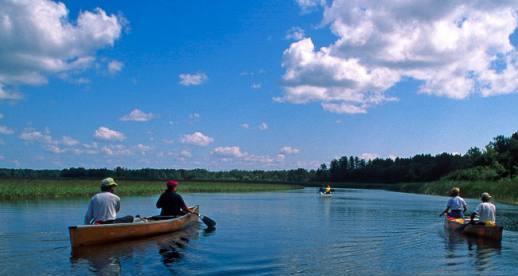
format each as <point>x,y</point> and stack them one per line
<point>456,205</point>
<point>103,207</point>
<point>170,202</point>
<point>486,210</point>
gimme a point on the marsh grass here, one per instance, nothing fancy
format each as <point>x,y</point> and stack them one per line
<point>502,191</point>
<point>14,189</point>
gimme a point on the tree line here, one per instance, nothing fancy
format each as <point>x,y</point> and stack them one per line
<point>497,160</point>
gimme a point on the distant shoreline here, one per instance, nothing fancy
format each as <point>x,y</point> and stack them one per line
<point>33,189</point>
<point>505,191</point>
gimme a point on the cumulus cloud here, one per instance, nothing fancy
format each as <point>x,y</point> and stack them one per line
<point>6,130</point>
<point>32,135</point>
<point>192,79</point>
<point>369,156</point>
<point>185,154</point>
<point>115,67</point>
<point>55,149</point>
<point>105,133</point>
<point>197,138</point>
<point>116,150</point>
<point>309,5</point>
<point>229,153</point>
<point>8,96</point>
<point>245,125</point>
<point>256,86</point>
<point>69,141</point>
<point>263,126</point>
<point>289,150</point>
<point>137,115</point>
<point>232,151</point>
<point>39,39</point>
<point>455,49</point>
<point>194,116</point>
<point>143,149</point>
<point>295,33</point>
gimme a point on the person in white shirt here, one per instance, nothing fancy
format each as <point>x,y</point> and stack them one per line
<point>456,206</point>
<point>486,211</point>
<point>103,207</point>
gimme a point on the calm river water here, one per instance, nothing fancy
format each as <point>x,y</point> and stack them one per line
<point>356,232</point>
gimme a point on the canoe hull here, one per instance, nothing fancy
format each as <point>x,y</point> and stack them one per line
<point>324,194</point>
<point>84,235</point>
<point>481,231</point>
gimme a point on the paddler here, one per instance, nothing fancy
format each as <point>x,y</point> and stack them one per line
<point>103,207</point>
<point>328,189</point>
<point>486,211</point>
<point>172,203</point>
<point>456,206</point>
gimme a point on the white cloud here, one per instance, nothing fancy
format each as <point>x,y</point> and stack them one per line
<point>105,133</point>
<point>6,130</point>
<point>8,96</point>
<point>232,151</point>
<point>115,66</point>
<point>137,115</point>
<point>32,135</point>
<point>289,150</point>
<point>263,126</point>
<point>39,39</point>
<point>245,125</point>
<point>295,33</point>
<point>192,79</point>
<point>235,153</point>
<point>194,116</point>
<point>256,86</point>
<point>55,149</point>
<point>185,154</point>
<point>309,5</point>
<point>143,149</point>
<point>69,141</point>
<point>369,156</point>
<point>452,48</point>
<point>116,150</point>
<point>197,138</point>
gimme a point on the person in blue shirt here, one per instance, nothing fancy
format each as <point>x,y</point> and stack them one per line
<point>456,206</point>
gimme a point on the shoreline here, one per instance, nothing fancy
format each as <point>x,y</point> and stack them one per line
<point>504,191</point>
<point>36,189</point>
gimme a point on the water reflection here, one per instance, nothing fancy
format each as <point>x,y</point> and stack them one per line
<point>106,259</point>
<point>482,250</point>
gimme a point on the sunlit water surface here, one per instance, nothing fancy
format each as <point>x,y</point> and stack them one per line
<point>356,232</point>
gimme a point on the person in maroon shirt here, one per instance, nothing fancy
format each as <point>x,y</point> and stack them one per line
<point>172,203</point>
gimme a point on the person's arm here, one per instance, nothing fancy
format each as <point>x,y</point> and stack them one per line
<point>160,201</point>
<point>184,206</point>
<point>445,211</point>
<point>474,214</point>
<point>89,214</point>
<point>118,205</point>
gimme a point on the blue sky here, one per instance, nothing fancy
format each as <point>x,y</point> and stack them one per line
<point>251,84</point>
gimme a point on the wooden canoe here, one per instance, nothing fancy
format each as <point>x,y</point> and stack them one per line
<point>481,231</point>
<point>84,235</point>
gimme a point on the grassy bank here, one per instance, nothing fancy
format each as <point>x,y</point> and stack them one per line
<point>13,189</point>
<point>502,191</point>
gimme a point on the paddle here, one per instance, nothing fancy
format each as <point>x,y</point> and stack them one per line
<point>208,221</point>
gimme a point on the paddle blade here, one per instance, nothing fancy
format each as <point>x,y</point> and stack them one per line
<point>208,221</point>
